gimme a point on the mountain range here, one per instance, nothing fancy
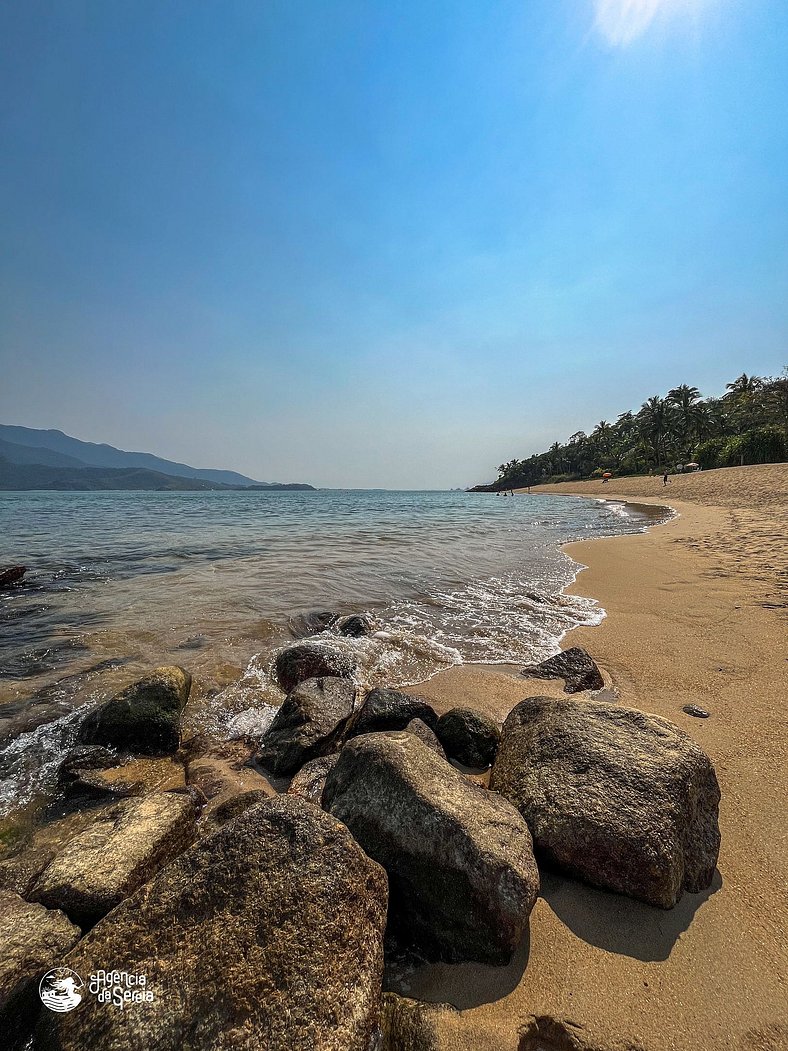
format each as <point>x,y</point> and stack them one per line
<point>50,459</point>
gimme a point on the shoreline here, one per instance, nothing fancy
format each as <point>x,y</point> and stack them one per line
<point>686,623</point>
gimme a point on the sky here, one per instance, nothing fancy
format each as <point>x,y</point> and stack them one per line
<point>384,244</point>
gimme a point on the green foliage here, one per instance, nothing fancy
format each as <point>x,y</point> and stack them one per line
<point>749,422</point>
<point>709,453</point>
<point>760,445</point>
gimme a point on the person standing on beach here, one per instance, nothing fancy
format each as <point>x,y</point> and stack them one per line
<point>665,478</point>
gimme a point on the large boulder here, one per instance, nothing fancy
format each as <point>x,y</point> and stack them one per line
<point>575,666</point>
<point>461,868</point>
<point>266,935</point>
<point>468,736</point>
<point>618,798</point>
<point>310,780</point>
<point>312,660</point>
<point>312,722</point>
<point>115,855</point>
<point>386,709</point>
<point>33,940</point>
<point>144,717</point>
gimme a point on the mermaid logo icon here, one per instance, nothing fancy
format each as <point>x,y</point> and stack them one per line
<point>61,989</point>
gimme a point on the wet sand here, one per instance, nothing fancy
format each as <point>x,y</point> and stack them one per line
<point>696,614</point>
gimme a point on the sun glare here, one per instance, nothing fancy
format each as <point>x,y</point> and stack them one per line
<point>622,21</point>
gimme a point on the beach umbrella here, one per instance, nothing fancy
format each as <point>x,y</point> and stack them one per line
<point>607,474</point>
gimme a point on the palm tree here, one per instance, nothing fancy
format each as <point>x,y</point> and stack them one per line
<point>743,386</point>
<point>685,398</point>
<point>654,419</point>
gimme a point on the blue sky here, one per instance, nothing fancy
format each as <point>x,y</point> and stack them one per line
<point>384,244</point>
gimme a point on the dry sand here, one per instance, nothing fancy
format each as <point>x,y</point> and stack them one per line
<point>696,614</point>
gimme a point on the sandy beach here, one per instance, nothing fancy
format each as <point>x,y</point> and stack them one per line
<point>696,614</point>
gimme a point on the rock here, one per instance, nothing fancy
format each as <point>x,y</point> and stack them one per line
<point>310,780</point>
<point>134,778</point>
<point>356,626</point>
<point>462,875</point>
<point>33,940</point>
<point>469,737</point>
<point>312,660</point>
<point>693,709</point>
<point>21,872</point>
<point>115,855</point>
<point>575,666</point>
<point>391,710</point>
<point>85,758</point>
<point>410,1025</point>
<point>266,935</point>
<point>312,623</point>
<point>230,808</point>
<point>312,722</point>
<point>220,771</point>
<point>144,717</point>
<point>423,732</point>
<point>11,576</point>
<point>621,799</point>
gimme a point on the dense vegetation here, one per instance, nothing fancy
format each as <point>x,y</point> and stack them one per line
<point>748,424</point>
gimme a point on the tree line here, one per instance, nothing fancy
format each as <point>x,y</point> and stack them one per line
<point>747,424</point>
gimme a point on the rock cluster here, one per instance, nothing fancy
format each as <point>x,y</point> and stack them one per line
<point>258,918</point>
<point>267,934</point>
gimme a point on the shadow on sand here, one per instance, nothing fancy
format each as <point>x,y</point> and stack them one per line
<point>619,924</point>
<point>463,985</point>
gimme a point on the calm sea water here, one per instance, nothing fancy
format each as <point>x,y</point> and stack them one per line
<point>121,582</point>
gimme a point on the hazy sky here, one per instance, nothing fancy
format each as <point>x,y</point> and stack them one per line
<point>385,244</point>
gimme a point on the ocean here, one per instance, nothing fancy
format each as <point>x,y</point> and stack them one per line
<point>121,582</point>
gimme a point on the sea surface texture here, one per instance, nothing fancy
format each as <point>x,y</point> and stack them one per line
<point>121,582</point>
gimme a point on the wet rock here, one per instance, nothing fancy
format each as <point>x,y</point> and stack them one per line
<point>266,935</point>
<point>391,710</point>
<point>618,798</point>
<point>314,622</point>
<point>575,666</point>
<point>219,771</point>
<point>33,940</point>
<point>469,737</point>
<point>356,626</point>
<point>11,575</point>
<point>85,758</point>
<point>134,778</point>
<point>115,855</point>
<point>423,732</point>
<point>462,875</point>
<point>144,717</point>
<point>693,709</point>
<point>310,780</point>
<point>312,660</point>
<point>312,722</point>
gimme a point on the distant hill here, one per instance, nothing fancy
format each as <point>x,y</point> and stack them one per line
<point>26,453</point>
